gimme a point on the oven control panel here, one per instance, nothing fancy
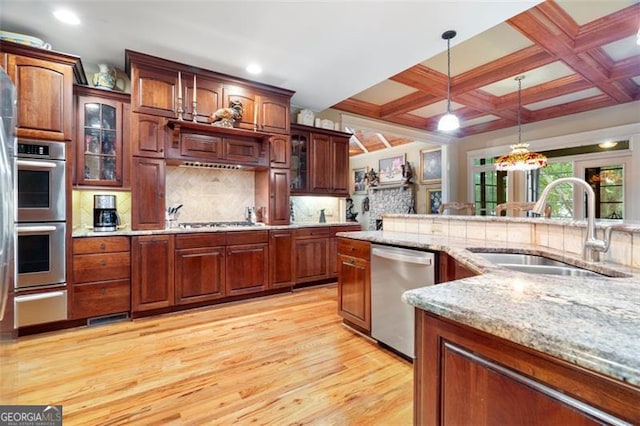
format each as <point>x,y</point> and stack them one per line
<point>41,149</point>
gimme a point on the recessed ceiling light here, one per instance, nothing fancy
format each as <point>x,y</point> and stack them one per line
<point>66,16</point>
<point>254,69</point>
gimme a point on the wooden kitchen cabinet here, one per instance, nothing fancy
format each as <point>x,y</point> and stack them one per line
<point>449,269</point>
<point>148,135</point>
<point>462,375</point>
<point>354,283</point>
<point>280,151</point>
<point>333,246</point>
<point>148,193</point>
<point>273,114</point>
<point>44,88</point>
<point>101,277</point>
<point>312,252</point>
<point>247,262</point>
<point>200,264</point>
<point>152,272</point>
<point>103,150</point>
<point>209,97</point>
<point>281,258</point>
<point>272,192</point>
<point>247,97</point>
<point>319,161</point>
<point>154,89</point>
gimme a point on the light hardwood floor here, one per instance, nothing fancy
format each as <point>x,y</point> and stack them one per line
<point>279,360</point>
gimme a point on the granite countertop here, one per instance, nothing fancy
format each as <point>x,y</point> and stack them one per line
<point>590,322</point>
<point>126,231</point>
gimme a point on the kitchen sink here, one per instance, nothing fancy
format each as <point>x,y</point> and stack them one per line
<point>535,264</point>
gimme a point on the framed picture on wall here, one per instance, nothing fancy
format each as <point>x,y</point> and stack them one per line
<point>434,199</point>
<point>430,165</point>
<point>391,170</point>
<point>359,181</point>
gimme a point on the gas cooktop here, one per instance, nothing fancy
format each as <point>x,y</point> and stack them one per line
<point>232,224</point>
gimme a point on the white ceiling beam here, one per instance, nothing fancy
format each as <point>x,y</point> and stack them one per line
<point>384,140</point>
<point>355,139</point>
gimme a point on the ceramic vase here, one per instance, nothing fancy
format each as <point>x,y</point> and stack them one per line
<point>105,77</point>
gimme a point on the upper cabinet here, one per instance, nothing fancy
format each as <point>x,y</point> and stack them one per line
<point>165,88</point>
<point>273,115</point>
<point>319,161</point>
<point>154,91</point>
<point>102,143</point>
<point>44,85</point>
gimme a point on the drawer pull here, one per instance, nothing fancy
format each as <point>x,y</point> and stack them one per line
<point>103,246</point>
<point>103,262</point>
<point>103,290</point>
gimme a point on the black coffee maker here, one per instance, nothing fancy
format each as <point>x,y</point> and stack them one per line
<point>105,214</point>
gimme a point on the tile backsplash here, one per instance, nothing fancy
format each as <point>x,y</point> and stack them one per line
<point>306,209</point>
<point>210,194</point>
<point>82,207</point>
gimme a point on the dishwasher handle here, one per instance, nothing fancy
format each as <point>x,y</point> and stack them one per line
<point>401,257</point>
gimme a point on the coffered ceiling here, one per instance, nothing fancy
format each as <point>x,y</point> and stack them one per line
<point>575,56</point>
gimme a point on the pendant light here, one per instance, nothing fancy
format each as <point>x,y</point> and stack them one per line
<point>520,158</point>
<point>448,121</point>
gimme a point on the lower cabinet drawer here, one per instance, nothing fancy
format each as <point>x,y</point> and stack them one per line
<point>101,298</point>
<point>101,267</point>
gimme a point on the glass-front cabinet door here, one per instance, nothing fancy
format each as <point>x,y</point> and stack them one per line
<point>299,161</point>
<point>99,149</point>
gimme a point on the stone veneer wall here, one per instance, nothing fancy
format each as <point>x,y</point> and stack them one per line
<point>391,200</point>
<point>567,236</point>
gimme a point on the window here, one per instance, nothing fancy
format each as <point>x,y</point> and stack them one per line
<point>608,184</point>
<point>490,186</point>
<point>561,199</point>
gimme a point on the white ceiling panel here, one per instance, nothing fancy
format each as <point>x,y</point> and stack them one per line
<point>583,94</point>
<point>436,108</point>
<point>479,50</point>
<point>532,78</point>
<point>478,120</point>
<point>585,11</point>
<point>622,49</point>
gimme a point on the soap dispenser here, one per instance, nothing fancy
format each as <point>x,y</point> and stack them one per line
<point>322,218</point>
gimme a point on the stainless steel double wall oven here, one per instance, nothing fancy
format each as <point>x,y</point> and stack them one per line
<point>40,287</point>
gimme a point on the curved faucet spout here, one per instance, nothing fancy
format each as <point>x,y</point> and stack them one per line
<point>592,246</point>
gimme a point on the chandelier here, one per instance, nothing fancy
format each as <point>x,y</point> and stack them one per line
<point>520,158</point>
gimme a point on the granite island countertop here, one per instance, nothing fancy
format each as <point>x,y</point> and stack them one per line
<point>590,322</point>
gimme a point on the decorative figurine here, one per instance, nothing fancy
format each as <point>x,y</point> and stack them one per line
<point>407,173</point>
<point>351,215</point>
<point>371,178</point>
<point>226,117</point>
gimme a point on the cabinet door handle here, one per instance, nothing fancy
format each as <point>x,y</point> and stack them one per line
<point>103,262</point>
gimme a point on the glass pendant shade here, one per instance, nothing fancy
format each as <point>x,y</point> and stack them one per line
<point>448,122</point>
<point>520,158</point>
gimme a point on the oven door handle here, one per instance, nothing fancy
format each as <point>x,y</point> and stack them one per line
<point>37,164</point>
<point>38,296</point>
<point>32,229</point>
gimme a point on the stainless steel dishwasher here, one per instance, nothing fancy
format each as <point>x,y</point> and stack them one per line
<point>395,270</point>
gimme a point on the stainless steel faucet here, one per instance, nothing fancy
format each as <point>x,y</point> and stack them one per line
<point>592,246</point>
